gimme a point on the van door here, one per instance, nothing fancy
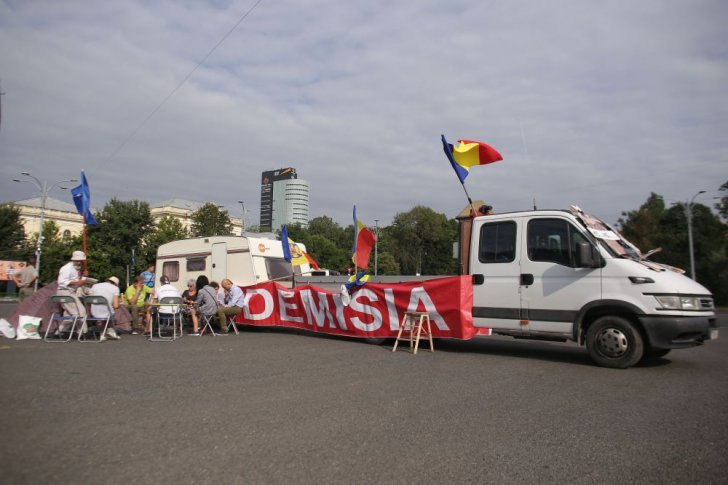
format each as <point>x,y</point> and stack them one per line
<point>218,272</point>
<point>558,289</point>
<point>495,268</point>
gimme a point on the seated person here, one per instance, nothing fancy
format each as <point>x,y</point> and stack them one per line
<point>135,297</point>
<point>189,296</point>
<point>163,291</point>
<point>206,303</point>
<point>232,304</point>
<point>109,289</point>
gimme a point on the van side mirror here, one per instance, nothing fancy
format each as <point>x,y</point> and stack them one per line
<point>587,256</point>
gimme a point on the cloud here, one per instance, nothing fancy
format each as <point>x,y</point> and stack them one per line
<point>591,103</point>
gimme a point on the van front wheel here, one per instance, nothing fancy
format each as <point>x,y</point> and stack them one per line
<point>614,342</point>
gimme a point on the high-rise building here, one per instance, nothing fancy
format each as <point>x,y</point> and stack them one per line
<point>283,199</point>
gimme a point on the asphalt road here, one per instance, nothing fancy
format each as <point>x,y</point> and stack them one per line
<point>277,406</point>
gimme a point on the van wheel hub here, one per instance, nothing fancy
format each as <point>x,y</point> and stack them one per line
<point>612,342</point>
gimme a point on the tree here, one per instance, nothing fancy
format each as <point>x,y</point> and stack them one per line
<point>209,220</point>
<point>117,240</point>
<point>386,264</point>
<point>12,233</point>
<point>167,229</point>
<point>643,226</point>
<point>421,241</point>
<point>722,206</point>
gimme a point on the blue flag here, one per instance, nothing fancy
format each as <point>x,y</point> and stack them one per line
<point>286,244</point>
<point>82,199</point>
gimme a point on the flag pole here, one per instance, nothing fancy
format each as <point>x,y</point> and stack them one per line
<point>85,261</point>
<point>470,201</point>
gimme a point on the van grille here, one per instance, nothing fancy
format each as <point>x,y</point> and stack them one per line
<point>706,304</point>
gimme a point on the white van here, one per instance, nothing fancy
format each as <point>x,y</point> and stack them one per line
<point>565,275</point>
<point>246,260</point>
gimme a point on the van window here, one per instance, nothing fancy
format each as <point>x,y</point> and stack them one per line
<point>554,240</point>
<point>497,242</point>
<point>170,269</point>
<point>196,264</point>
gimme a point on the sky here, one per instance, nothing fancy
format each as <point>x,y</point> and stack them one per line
<point>591,103</point>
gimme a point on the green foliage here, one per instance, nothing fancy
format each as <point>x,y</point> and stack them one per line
<point>386,264</point>
<point>421,241</point>
<point>722,206</point>
<point>12,233</point>
<point>210,220</point>
<point>122,226</point>
<point>167,229</point>
<point>642,227</point>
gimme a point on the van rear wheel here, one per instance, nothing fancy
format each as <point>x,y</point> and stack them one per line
<point>614,342</point>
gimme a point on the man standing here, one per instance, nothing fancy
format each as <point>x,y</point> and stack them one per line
<point>232,305</point>
<point>148,275</point>
<point>25,279</point>
<point>109,289</point>
<point>70,282</point>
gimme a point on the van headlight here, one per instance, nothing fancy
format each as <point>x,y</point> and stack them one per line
<point>675,302</point>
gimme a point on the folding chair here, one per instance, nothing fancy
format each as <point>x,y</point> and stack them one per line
<point>231,323</point>
<point>207,319</point>
<point>58,318</point>
<point>166,320</point>
<point>100,301</point>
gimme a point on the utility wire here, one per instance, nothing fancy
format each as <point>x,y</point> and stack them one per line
<point>164,101</point>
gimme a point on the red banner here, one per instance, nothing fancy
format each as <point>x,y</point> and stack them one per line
<point>375,310</point>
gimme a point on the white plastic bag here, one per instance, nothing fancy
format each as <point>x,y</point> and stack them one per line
<point>28,327</point>
<point>6,329</point>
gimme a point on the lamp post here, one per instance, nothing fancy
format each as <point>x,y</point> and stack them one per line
<point>242,221</point>
<point>376,244</point>
<point>689,217</point>
<point>44,189</point>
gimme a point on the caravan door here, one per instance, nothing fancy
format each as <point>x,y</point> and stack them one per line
<point>219,262</point>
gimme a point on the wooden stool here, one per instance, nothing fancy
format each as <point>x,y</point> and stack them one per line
<point>412,325</point>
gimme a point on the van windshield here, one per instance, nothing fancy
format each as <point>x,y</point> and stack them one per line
<point>608,237</point>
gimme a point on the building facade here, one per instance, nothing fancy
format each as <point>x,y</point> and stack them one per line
<point>64,214</point>
<point>283,199</point>
<point>70,222</point>
<point>182,209</point>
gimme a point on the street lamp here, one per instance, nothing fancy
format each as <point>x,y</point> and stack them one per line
<point>242,221</point>
<point>376,244</point>
<point>689,217</point>
<point>44,189</point>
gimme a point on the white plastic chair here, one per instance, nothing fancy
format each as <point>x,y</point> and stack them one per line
<point>59,319</point>
<point>100,301</point>
<point>174,319</point>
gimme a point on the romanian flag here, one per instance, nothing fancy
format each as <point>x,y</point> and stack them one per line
<point>293,253</point>
<point>363,243</point>
<point>468,154</point>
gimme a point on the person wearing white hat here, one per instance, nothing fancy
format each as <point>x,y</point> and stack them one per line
<point>109,289</point>
<point>70,282</point>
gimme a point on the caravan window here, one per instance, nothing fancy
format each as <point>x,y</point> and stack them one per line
<point>196,264</point>
<point>170,269</point>
<point>278,269</point>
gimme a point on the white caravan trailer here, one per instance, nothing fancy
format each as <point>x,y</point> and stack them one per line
<point>246,260</point>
